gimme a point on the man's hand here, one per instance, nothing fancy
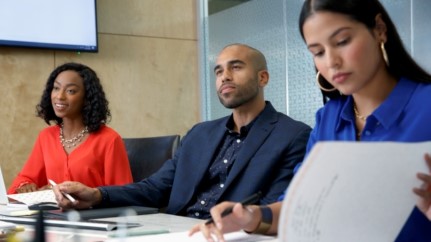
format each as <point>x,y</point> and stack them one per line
<point>86,197</point>
<point>240,218</point>
<point>424,192</point>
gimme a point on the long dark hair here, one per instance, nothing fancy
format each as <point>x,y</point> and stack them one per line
<point>95,111</point>
<point>365,11</point>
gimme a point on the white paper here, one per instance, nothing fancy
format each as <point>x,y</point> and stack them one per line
<point>198,237</point>
<point>31,198</point>
<point>353,191</point>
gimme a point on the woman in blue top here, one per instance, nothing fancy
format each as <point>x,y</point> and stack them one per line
<point>373,91</point>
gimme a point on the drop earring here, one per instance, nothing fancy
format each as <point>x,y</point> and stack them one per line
<point>385,55</point>
<point>320,86</point>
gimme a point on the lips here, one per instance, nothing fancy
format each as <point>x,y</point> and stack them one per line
<point>226,88</point>
<point>340,77</point>
<point>60,106</point>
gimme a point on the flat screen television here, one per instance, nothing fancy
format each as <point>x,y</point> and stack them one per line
<point>52,24</point>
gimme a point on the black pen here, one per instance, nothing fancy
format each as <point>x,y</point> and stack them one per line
<point>250,200</point>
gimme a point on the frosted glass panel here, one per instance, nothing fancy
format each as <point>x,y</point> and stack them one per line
<point>303,93</point>
<point>421,10</point>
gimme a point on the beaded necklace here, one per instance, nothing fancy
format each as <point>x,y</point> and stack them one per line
<point>69,143</point>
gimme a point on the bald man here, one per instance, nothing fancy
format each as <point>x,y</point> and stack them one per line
<point>254,149</point>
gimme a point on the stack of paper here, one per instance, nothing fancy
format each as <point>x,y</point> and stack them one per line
<point>353,191</point>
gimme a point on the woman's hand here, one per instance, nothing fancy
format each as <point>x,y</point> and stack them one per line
<point>424,192</point>
<point>29,187</point>
<point>240,218</point>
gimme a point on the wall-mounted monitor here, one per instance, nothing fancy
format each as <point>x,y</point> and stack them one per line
<point>52,24</point>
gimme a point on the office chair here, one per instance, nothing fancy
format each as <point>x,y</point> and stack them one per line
<point>146,155</point>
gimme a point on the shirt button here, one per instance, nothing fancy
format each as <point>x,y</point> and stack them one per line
<point>197,214</point>
<point>202,202</point>
<point>238,141</point>
<point>225,161</point>
<point>221,185</point>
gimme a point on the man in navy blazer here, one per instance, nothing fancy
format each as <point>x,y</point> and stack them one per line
<point>254,149</point>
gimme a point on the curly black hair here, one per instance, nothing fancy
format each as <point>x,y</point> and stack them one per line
<point>95,111</point>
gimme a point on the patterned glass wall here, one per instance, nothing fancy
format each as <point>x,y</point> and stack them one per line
<point>303,93</point>
<point>271,26</point>
<point>421,47</point>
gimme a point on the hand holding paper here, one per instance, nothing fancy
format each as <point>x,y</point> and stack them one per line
<point>353,191</point>
<point>424,193</point>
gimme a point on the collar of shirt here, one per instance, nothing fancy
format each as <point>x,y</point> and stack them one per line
<point>389,111</point>
<point>243,131</point>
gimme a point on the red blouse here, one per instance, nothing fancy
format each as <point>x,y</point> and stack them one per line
<point>99,161</point>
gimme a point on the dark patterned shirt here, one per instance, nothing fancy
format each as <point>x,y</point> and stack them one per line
<point>212,185</point>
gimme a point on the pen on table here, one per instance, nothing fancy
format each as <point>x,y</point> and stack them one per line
<point>249,200</point>
<point>65,194</point>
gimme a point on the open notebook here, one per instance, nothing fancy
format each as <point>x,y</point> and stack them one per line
<point>59,218</point>
<point>25,199</point>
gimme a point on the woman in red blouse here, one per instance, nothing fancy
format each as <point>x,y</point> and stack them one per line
<point>79,147</point>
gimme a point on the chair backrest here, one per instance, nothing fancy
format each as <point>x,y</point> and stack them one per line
<point>146,155</point>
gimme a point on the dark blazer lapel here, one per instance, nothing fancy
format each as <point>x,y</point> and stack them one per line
<point>258,134</point>
<point>207,147</point>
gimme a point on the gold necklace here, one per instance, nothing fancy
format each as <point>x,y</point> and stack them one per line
<point>69,143</point>
<point>355,109</point>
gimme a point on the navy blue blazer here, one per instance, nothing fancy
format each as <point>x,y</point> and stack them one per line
<point>270,152</point>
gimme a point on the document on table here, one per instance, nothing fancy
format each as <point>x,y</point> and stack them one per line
<point>198,237</point>
<point>31,198</point>
<point>353,191</point>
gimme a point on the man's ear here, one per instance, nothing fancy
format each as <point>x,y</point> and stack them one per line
<point>263,77</point>
<point>380,30</point>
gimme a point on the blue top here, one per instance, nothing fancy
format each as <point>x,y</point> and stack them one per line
<point>405,116</point>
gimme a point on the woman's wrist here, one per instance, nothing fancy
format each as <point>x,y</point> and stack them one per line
<point>262,220</point>
<point>256,217</point>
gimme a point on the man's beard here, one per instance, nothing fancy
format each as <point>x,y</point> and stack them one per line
<point>242,97</point>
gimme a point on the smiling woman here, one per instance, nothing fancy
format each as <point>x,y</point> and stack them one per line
<point>79,146</point>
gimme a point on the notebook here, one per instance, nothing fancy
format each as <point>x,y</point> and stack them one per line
<point>23,199</point>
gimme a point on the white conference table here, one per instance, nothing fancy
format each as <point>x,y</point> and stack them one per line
<point>150,223</point>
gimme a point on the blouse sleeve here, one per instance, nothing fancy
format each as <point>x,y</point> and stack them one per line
<point>117,166</point>
<point>33,170</point>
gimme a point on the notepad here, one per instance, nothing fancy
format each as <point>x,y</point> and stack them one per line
<point>31,198</point>
<point>353,191</point>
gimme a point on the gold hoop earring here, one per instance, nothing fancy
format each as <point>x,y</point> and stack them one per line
<point>320,86</point>
<point>385,55</point>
